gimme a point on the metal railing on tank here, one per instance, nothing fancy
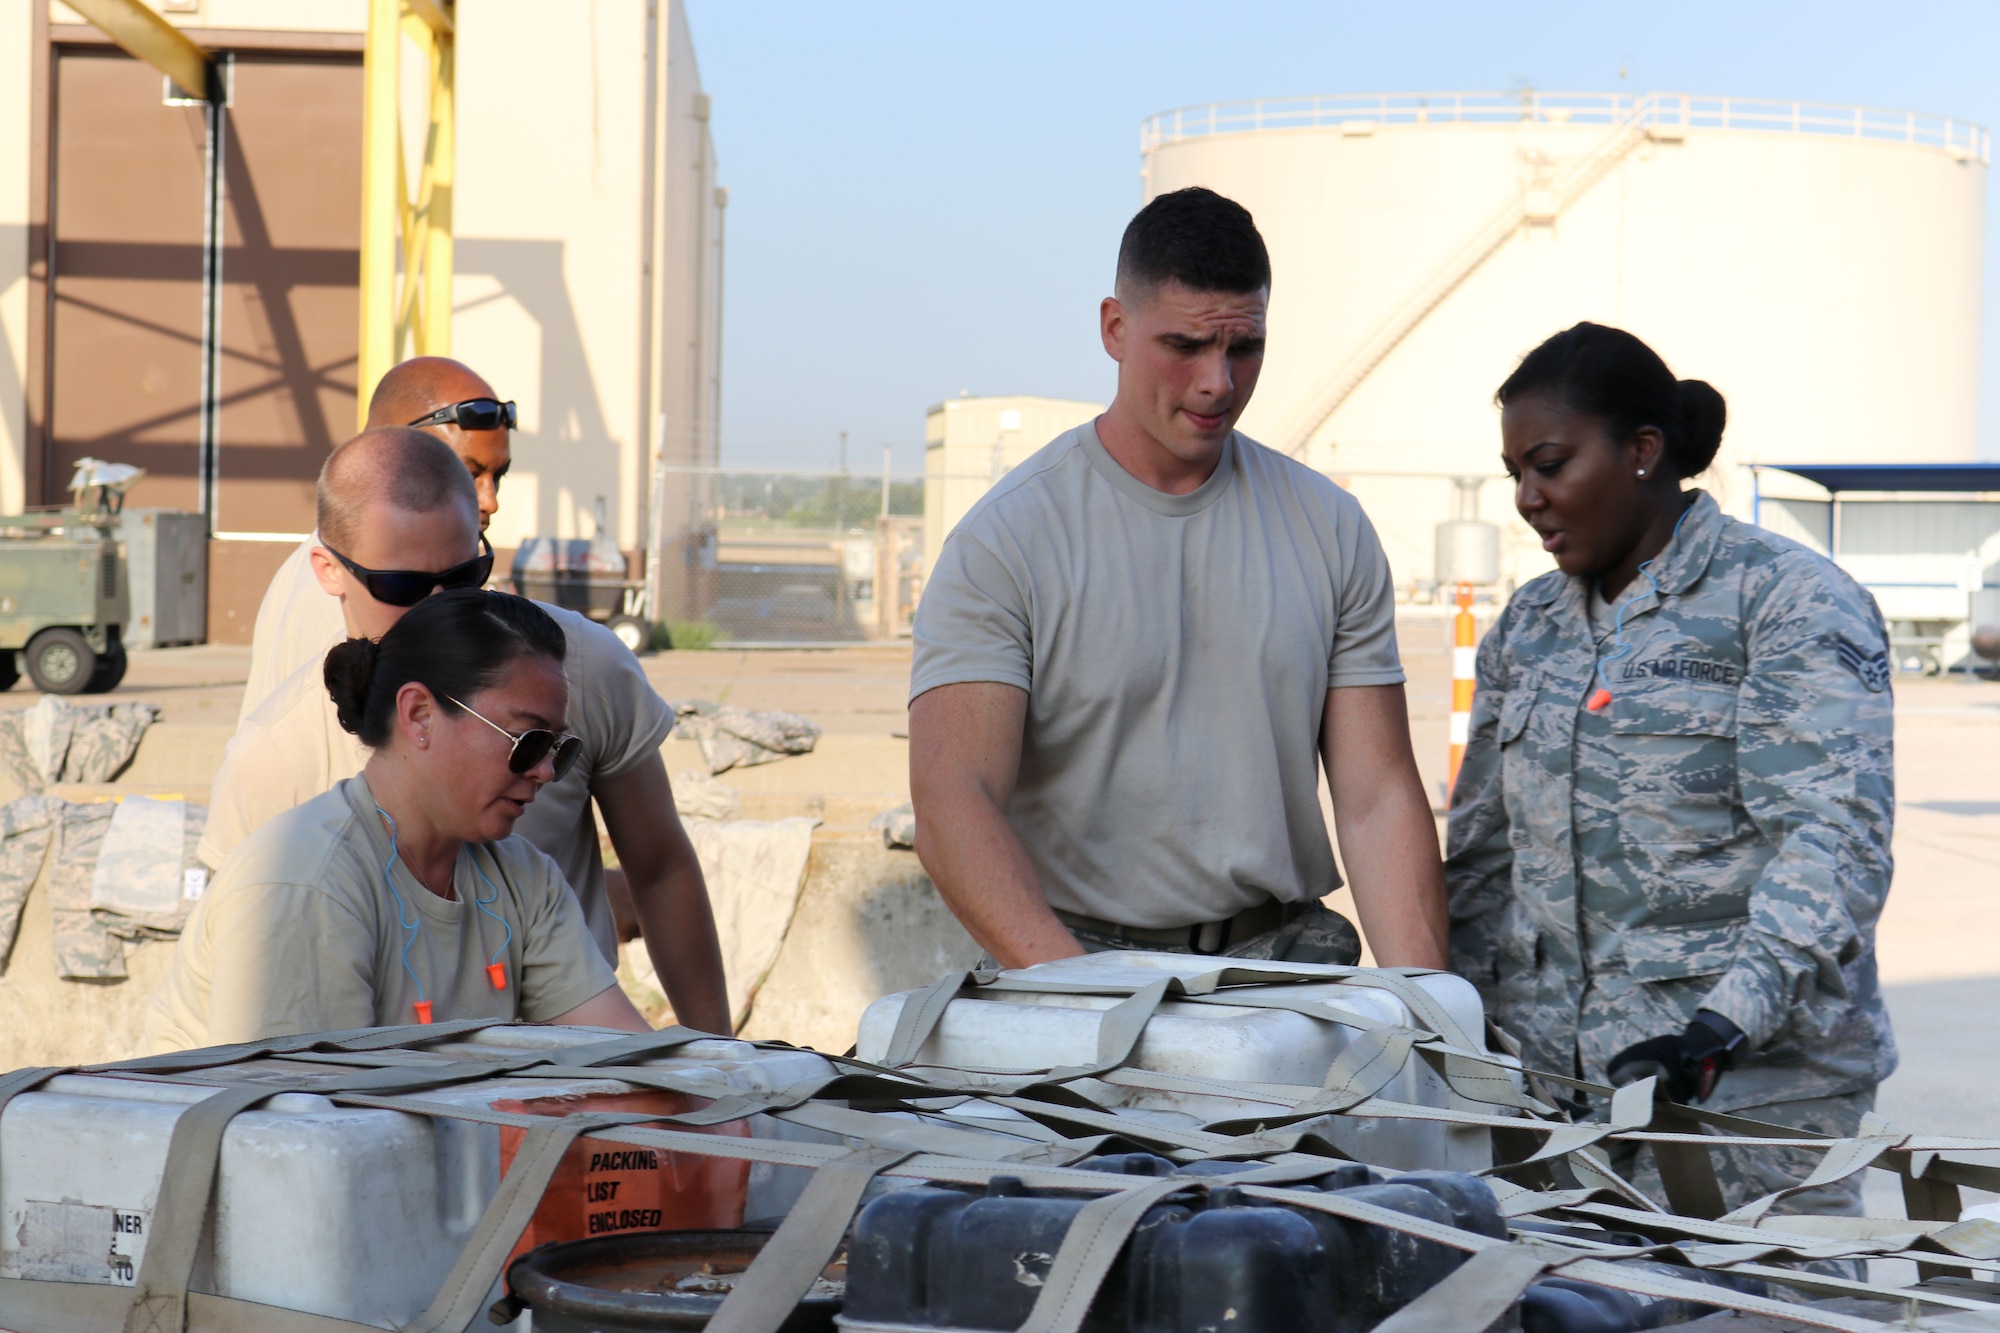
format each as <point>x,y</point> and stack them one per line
<point>1362,113</point>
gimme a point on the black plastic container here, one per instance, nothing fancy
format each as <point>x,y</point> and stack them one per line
<point>1563,1305</point>
<point>949,1258</point>
<point>644,1283</point>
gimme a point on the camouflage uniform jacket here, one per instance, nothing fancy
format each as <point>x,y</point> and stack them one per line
<point>1717,837</point>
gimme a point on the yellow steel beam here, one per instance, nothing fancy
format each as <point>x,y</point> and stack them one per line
<point>440,167</point>
<point>151,38</point>
<point>413,316</point>
<point>415,222</point>
<point>435,16</point>
<point>409,234</point>
<point>381,198</point>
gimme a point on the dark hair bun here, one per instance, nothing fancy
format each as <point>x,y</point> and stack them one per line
<point>1703,416</point>
<point>350,668</point>
<point>453,643</point>
<point>1609,374</point>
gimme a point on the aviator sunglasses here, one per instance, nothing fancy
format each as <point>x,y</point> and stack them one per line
<point>533,745</point>
<point>473,414</point>
<point>407,587</point>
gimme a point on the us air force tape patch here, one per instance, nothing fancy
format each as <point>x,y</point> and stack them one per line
<point>1872,668</point>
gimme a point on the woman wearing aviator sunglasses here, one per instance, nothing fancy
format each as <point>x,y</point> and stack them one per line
<point>400,896</point>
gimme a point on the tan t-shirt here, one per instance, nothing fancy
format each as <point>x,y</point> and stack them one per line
<point>292,749</point>
<point>296,623</point>
<point>1177,651</point>
<point>305,931</point>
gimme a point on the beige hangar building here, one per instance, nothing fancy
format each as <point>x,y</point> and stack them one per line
<point>1820,265</point>
<point>588,236</point>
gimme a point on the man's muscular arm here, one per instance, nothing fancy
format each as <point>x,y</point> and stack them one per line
<point>965,756</point>
<point>1388,836</point>
<point>669,896</point>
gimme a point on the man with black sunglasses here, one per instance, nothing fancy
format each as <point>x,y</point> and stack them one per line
<point>436,395</point>
<point>398,521</point>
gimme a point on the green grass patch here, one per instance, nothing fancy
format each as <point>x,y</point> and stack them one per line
<point>688,635</point>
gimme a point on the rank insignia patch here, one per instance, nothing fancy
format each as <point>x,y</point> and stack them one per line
<point>1872,668</point>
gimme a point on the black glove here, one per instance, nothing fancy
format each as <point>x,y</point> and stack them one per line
<point>1689,1065</point>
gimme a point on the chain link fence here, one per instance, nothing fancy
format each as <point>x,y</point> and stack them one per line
<point>754,557</point>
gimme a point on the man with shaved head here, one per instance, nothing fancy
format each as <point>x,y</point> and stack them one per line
<point>399,520</point>
<point>447,399</point>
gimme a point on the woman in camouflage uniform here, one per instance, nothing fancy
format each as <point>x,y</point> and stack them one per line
<point>1669,841</point>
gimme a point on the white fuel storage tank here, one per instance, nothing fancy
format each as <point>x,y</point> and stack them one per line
<point>1820,265</point>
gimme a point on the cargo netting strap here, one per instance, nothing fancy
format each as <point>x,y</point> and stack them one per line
<point>31,1306</point>
<point>1087,1252</point>
<point>895,1118</point>
<point>464,1291</point>
<point>1474,1298</point>
<point>804,1243</point>
<point>159,1304</point>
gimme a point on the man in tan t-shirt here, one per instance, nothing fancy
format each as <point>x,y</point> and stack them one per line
<point>1137,651</point>
<point>396,504</point>
<point>451,401</point>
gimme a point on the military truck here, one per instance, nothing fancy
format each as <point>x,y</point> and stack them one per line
<point>63,595</point>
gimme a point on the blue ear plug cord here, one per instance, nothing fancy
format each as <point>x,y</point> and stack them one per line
<point>496,970</point>
<point>423,1004</point>
<point>1623,649</point>
<point>485,905</point>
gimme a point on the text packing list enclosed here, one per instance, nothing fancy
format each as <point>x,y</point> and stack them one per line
<point>607,1189</point>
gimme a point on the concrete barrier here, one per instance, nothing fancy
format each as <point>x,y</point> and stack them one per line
<point>45,1020</point>
<point>868,921</point>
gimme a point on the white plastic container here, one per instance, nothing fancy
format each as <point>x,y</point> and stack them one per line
<point>350,1212</point>
<point>1013,1031</point>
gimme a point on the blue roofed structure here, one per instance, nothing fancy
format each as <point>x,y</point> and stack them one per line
<point>1923,538</point>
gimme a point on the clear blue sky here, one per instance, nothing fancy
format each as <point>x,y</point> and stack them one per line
<point>927,197</point>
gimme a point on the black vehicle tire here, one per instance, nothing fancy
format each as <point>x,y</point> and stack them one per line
<point>110,670</point>
<point>10,670</point>
<point>633,632</point>
<point>60,661</point>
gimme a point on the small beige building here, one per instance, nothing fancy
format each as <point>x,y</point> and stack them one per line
<point>204,323</point>
<point>970,443</point>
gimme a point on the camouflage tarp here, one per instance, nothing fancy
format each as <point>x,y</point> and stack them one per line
<point>53,741</point>
<point>27,826</point>
<point>737,737</point>
<point>90,938</point>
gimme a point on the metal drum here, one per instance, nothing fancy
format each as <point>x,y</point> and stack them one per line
<point>661,1280</point>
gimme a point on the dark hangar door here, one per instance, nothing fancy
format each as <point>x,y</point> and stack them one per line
<point>203,324</point>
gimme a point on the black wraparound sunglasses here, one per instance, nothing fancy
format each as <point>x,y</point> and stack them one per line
<point>533,745</point>
<point>407,587</point>
<point>473,414</point>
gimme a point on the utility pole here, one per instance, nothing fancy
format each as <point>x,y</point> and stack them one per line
<point>840,488</point>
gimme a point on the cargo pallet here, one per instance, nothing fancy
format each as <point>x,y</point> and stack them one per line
<point>824,1143</point>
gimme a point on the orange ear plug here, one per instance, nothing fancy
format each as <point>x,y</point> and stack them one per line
<point>423,1008</point>
<point>497,974</point>
<point>1599,700</point>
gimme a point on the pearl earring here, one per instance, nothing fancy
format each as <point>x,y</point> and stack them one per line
<point>1642,472</point>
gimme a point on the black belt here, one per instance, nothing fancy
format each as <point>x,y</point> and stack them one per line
<point>1203,937</point>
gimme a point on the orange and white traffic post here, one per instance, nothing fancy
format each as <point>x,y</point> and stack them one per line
<point>1464,656</point>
